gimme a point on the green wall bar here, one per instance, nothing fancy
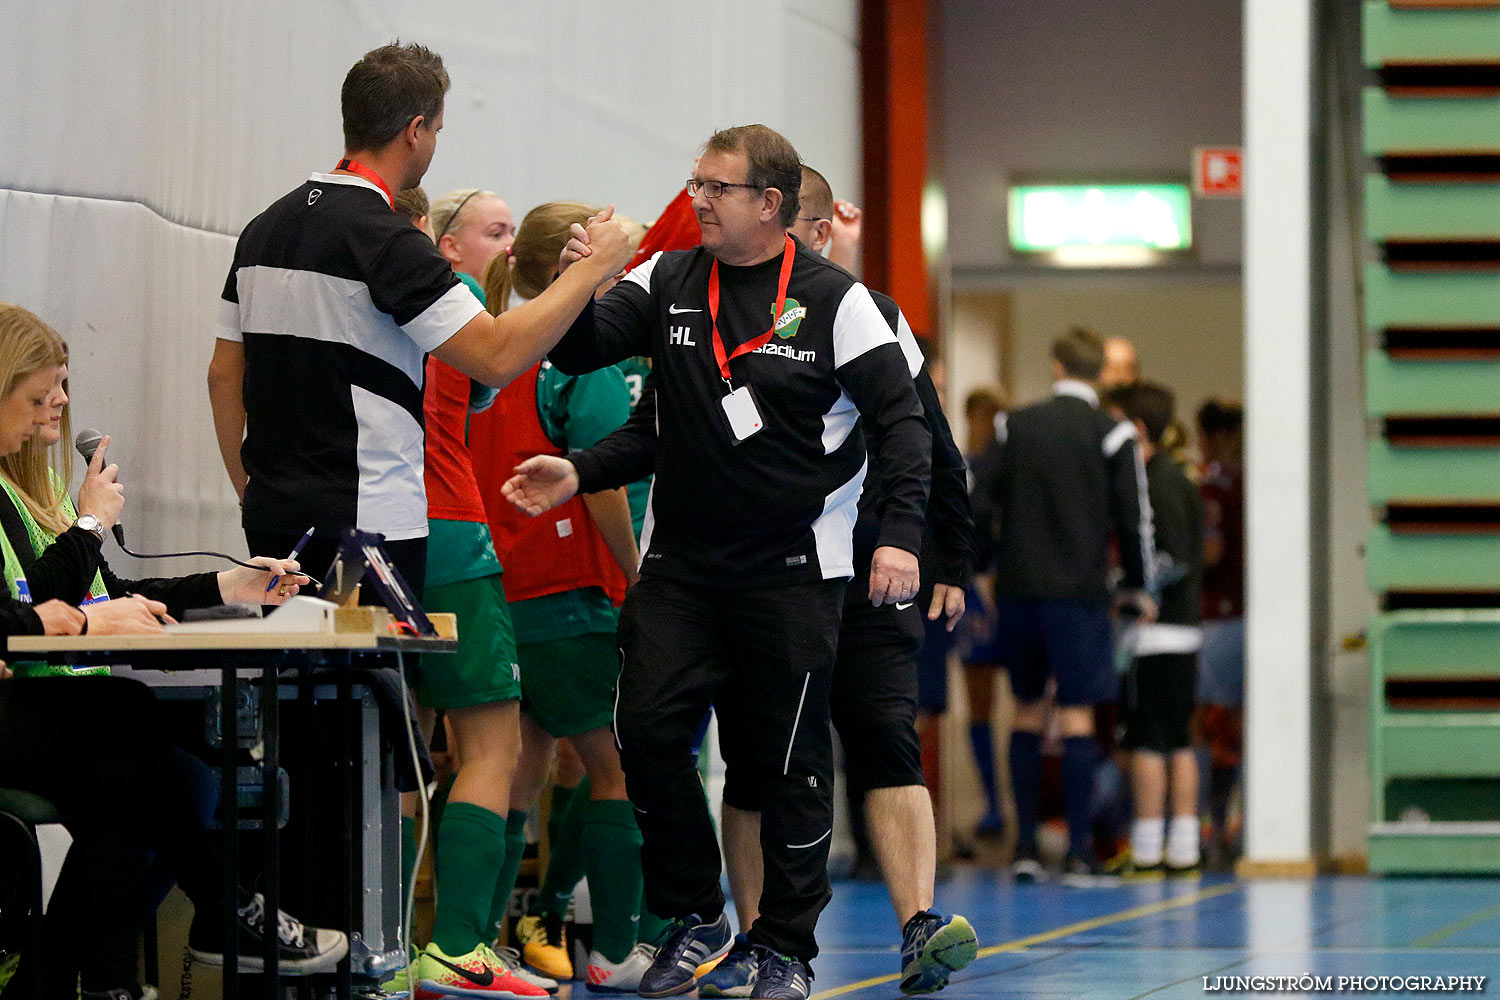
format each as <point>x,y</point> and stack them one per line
<point>1397,473</point>
<point>1430,124</point>
<point>1430,211</point>
<point>1430,388</point>
<point>1436,644</point>
<point>1460,561</point>
<point>1415,36</point>
<point>1430,299</point>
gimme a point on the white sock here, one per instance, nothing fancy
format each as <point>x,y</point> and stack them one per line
<point>1145,841</point>
<point>1182,841</point>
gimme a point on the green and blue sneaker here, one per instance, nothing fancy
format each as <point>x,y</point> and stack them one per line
<point>933,947</point>
<point>734,976</point>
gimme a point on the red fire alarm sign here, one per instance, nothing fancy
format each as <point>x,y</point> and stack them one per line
<point>1218,172</point>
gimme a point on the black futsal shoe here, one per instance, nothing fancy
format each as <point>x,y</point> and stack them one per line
<point>780,977</point>
<point>690,945</point>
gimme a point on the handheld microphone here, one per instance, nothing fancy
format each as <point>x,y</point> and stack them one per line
<point>87,442</point>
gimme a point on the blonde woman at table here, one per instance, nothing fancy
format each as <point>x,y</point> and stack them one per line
<point>96,749</point>
<point>52,548</point>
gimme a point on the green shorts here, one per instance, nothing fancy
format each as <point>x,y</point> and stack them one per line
<point>484,670</point>
<point>568,685</point>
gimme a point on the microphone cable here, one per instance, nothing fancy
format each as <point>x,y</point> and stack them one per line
<point>211,555</point>
<point>87,442</point>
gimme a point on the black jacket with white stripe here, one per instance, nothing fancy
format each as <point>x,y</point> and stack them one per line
<point>780,506</point>
<point>1068,477</point>
<point>948,548</point>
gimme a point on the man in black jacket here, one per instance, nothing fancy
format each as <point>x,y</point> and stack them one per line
<point>773,366</point>
<point>874,687</point>
<point>1069,478</point>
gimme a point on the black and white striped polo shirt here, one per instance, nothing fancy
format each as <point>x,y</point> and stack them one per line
<point>337,300</point>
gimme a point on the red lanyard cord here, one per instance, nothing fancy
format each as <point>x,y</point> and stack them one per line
<point>359,169</point>
<point>748,346</point>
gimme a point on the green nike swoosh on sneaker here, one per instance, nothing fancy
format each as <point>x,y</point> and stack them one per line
<point>487,980</point>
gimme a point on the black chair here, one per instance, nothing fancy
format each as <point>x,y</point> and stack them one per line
<point>21,903</point>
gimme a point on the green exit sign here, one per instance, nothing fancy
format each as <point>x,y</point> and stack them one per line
<point>1141,217</point>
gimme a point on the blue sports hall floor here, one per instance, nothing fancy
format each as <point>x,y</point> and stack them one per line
<point>1161,938</point>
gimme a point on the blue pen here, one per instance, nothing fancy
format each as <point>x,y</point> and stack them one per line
<point>296,551</point>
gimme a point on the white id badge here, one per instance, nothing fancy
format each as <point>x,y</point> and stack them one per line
<point>744,418</point>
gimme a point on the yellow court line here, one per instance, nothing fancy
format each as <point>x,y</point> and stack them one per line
<point>1134,913</point>
<point>1454,928</point>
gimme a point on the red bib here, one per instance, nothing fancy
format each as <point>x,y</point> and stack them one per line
<point>558,551</point>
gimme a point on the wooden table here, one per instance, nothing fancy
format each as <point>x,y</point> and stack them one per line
<point>358,637</point>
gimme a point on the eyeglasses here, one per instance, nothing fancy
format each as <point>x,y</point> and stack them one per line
<point>812,218</point>
<point>715,189</point>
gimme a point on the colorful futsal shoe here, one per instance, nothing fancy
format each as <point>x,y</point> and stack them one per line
<point>511,959</point>
<point>780,977</point>
<point>605,976</point>
<point>400,982</point>
<point>690,943</point>
<point>734,976</point>
<point>479,975</point>
<point>8,966</point>
<point>933,947</point>
<point>544,945</point>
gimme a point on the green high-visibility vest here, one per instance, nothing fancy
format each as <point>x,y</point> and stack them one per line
<point>15,577</point>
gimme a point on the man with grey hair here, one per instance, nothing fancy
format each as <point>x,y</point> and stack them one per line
<point>875,686</point>
<point>772,368</point>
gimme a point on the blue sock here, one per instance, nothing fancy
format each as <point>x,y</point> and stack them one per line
<point>1026,779</point>
<point>982,739</point>
<point>1080,758</point>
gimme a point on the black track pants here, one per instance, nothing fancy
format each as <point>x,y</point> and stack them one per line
<point>771,651</point>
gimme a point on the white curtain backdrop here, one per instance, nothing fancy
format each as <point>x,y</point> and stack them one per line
<point>140,137</point>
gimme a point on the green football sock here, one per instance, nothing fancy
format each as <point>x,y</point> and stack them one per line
<point>470,855</point>
<point>565,864</point>
<point>653,928</point>
<point>408,857</point>
<point>436,805</point>
<point>505,882</point>
<point>612,857</point>
<point>562,797</point>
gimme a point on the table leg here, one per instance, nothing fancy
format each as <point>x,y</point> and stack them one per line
<point>351,876</point>
<point>229,811</point>
<point>301,795</point>
<point>270,717</point>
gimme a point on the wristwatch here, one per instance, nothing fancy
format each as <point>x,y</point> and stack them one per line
<point>90,523</point>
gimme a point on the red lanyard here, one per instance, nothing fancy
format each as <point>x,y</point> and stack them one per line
<point>355,167</point>
<point>748,346</point>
